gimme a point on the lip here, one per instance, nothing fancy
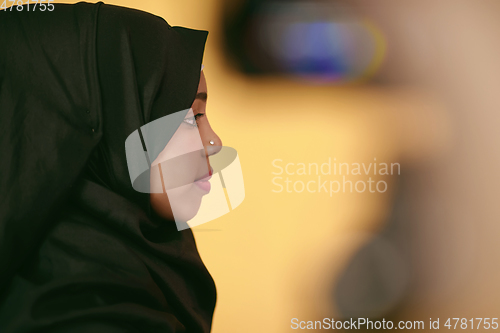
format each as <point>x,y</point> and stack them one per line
<point>206,176</point>
<point>204,185</point>
<point>203,182</point>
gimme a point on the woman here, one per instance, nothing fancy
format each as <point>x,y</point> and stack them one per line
<point>81,250</point>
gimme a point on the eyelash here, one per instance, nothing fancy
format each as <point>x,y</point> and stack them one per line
<point>194,119</point>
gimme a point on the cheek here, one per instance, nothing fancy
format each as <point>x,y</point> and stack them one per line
<point>183,169</point>
<point>185,140</point>
<point>182,161</point>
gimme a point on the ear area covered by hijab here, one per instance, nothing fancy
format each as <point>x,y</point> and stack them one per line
<point>80,250</point>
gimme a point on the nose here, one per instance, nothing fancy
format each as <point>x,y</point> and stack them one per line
<point>214,148</point>
<point>212,137</point>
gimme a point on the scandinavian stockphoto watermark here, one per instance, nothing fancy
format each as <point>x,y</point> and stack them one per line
<point>331,177</point>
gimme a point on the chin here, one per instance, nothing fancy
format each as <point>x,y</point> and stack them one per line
<point>186,214</point>
<point>186,206</point>
<point>181,204</point>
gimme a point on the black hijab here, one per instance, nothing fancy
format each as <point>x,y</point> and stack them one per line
<point>80,250</point>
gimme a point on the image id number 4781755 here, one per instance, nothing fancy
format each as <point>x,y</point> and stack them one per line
<point>27,5</point>
<point>473,323</point>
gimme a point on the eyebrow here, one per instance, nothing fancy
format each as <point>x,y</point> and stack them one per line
<point>202,95</point>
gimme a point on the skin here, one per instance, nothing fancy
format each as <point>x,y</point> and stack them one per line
<point>183,161</point>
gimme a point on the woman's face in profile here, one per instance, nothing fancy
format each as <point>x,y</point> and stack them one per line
<point>181,171</point>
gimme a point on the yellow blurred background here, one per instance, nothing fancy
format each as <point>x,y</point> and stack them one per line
<point>279,255</point>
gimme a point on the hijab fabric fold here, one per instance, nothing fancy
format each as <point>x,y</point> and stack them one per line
<point>80,250</point>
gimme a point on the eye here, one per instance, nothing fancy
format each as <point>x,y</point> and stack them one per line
<point>192,121</point>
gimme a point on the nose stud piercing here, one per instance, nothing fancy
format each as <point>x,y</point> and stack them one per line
<point>212,142</point>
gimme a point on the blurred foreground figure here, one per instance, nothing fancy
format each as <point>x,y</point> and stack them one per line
<point>437,257</point>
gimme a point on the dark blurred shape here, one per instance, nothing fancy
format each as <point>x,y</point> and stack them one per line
<point>378,277</point>
<point>317,40</point>
<point>374,282</point>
